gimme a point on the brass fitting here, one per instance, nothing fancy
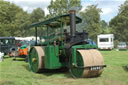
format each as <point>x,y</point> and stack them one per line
<point>33,59</point>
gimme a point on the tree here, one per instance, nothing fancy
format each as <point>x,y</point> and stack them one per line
<point>123,6</point>
<point>119,23</point>
<point>60,7</point>
<point>91,19</point>
<point>37,15</point>
<point>7,15</point>
<point>105,27</point>
<point>104,24</point>
<point>22,22</point>
<point>13,20</point>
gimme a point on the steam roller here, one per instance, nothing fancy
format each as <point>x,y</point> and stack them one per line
<point>90,64</point>
<point>65,48</point>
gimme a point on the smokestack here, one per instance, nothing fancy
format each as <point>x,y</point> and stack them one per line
<point>72,22</point>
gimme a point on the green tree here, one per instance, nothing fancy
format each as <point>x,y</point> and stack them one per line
<point>37,15</point>
<point>104,24</point>
<point>7,16</point>
<point>105,27</point>
<point>60,7</point>
<point>21,23</point>
<point>119,23</point>
<point>123,6</point>
<point>91,20</point>
<point>13,20</point>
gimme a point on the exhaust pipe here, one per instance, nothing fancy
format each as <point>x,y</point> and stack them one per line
<point>72,22</point>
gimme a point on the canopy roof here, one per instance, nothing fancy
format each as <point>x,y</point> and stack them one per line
<point>7,37</point>
<point>56,21</point>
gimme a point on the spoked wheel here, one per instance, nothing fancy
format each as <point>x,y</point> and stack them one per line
<point>90,64</point>
<point>36,58</point>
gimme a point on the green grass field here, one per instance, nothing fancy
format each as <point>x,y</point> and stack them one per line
<point>18,73</point>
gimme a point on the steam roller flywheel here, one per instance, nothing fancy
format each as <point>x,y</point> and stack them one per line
<point>90,63</point>
<point>36,58</point>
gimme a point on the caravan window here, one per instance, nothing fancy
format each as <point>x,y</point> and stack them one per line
<point>104,40</point>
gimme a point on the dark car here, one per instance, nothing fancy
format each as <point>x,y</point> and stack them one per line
<point>7,43</point>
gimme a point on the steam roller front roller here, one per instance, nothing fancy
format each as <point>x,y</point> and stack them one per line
<point>90,63</point>
<point>36,58</point>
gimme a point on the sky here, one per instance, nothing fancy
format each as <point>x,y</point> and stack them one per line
<point>109,7</point>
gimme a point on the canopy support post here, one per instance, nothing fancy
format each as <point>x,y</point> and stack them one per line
<point>36,35</point>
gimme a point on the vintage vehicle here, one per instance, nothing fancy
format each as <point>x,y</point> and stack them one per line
<point>7,44</point>
<point>21,51</point>
<point>65,49</point>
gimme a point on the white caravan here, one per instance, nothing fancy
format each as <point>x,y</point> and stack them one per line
<point>105,41</point>
<point>27,38</point>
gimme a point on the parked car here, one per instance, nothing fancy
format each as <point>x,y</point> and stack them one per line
<point>122,46</point>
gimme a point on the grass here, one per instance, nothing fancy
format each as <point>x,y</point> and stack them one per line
<point>18,73</point>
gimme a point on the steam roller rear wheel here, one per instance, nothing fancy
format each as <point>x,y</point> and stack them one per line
<point>36,56</point>
<point>89,64</point>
